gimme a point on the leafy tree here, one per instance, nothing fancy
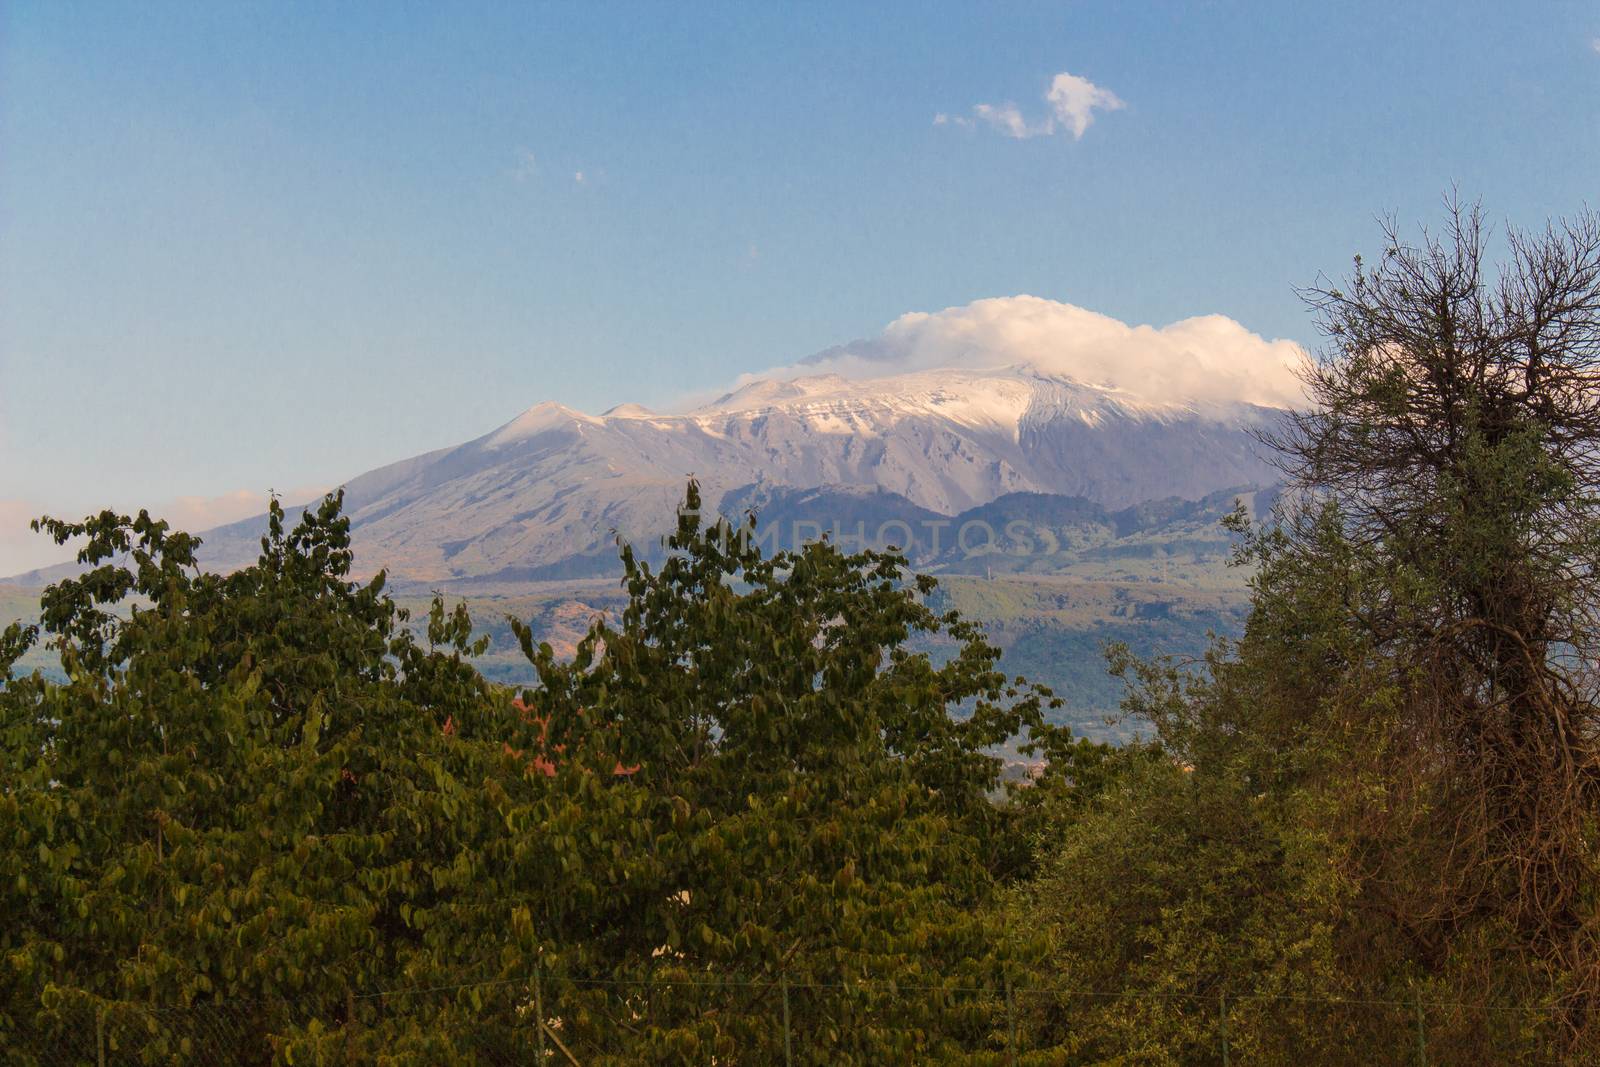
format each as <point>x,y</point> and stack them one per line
<point>240,793</point>
<point>1196,894</point>
<point>1456,421</point>
<point>806,809</point>
<point>260,799</point>
<point>1385,791</point>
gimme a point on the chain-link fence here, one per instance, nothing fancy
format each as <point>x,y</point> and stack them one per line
<point>571,1022</point>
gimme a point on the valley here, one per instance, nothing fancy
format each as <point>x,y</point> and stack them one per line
<point>1154,577</point>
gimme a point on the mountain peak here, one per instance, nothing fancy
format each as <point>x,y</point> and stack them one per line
<point>538,419</point>
<point>764,392</point>
<point>628,411</point>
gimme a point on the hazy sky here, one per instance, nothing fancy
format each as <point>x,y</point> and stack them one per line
<point>248,246</point>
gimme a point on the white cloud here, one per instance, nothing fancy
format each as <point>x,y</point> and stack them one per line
<point>1009,121</point>
<point>578,177</point>
<point>1073,102</point>
<point>1208,359</point>
<point>1595,44</point>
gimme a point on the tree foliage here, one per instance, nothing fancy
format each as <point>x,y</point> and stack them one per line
<point>264,789</point>
<point>1456,421</point>
<point>1386,790</point>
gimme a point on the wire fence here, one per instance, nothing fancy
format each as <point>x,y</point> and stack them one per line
<point>575,1022</point>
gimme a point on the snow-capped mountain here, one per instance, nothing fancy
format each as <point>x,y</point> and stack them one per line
<point>541,495</point>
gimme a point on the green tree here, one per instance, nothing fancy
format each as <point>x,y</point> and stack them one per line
<point>1204,891</point>
<point>260,799</point>
<point>240,793</point>
<point>1386,790</point>
<point>805,809</point>
<point>1456,421</point>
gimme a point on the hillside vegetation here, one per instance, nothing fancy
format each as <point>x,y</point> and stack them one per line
<point>1155,577</point>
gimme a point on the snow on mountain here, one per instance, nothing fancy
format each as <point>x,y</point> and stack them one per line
<point>540,496</point>
<point>949,410</point>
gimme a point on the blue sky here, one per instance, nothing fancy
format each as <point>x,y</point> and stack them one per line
<point>247,246</point>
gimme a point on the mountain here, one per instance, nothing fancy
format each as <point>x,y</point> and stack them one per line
<point>1024,533</point>
<point>1061,515</point>
<point>539,497</point>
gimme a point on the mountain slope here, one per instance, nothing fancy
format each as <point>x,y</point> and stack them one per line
<point>540,496</point>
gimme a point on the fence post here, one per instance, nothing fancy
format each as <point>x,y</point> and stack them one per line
<point>788,1047</point>
<point>538,1011</point>
<point>100,1036</point>
<point>1422,1036</point>
<point>1223,1003</point>
<point>1011,1021</point>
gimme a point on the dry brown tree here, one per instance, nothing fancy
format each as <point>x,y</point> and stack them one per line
<point>1455,417</point>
